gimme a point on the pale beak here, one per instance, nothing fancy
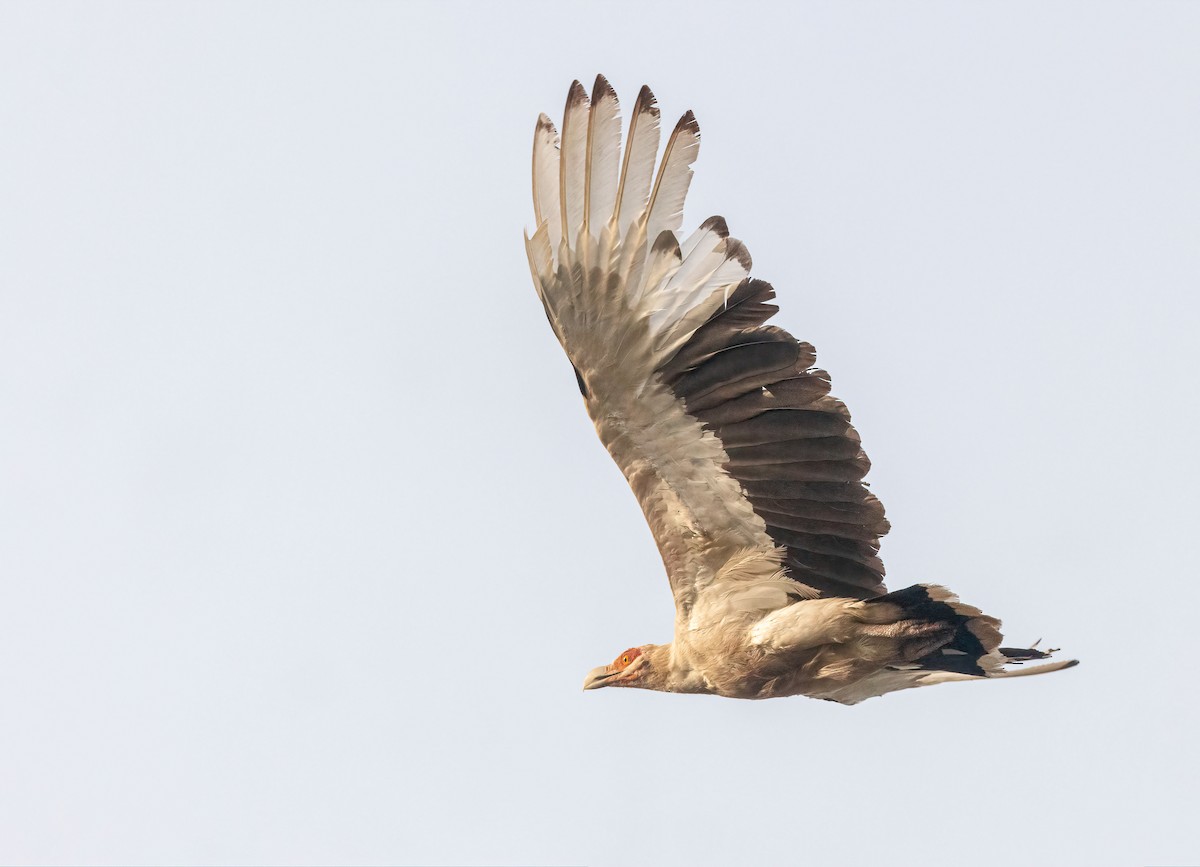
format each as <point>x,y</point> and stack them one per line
<point>598,677</point>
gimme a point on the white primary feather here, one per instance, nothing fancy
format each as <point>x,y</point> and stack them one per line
<point>665,211</point>
<point>574,161</point>
<point>662,264</point>
<point>604,157</point>
<point>710,232</point>
<point>680,294</point>
<point>546,179</point>
<point>693,309</point>
<point>637,169</point>
<point>703,251</point>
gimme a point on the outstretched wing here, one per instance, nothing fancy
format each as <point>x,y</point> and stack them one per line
<point>722,426</point>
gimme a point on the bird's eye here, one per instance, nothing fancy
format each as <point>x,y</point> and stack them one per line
<point>626,658</point>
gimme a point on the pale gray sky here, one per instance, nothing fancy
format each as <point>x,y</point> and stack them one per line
<point>306,542</point>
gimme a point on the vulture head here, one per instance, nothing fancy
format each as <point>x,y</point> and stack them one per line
<point>635,667</point>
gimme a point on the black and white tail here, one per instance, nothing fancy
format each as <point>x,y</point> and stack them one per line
<point>936,639</point>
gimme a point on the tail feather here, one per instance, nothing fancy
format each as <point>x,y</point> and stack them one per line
<point>1024,654</point>
<point>971,647</point>
<point>932,638</point>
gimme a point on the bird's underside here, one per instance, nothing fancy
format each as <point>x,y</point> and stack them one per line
<point>748,471</point>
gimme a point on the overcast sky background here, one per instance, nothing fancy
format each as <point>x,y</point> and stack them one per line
<point>306,542</point>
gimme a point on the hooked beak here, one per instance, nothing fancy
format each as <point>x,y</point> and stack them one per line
<point>610,675</point>
<point>598,677</point>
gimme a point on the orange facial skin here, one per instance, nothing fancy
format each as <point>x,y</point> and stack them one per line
<point>623,661</point>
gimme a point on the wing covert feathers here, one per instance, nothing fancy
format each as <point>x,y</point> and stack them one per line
<point>721,424</point>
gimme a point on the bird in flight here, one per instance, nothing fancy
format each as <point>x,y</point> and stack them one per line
<point>748,471</point>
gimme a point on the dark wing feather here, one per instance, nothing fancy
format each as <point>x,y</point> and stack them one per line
<point>790,445</point>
